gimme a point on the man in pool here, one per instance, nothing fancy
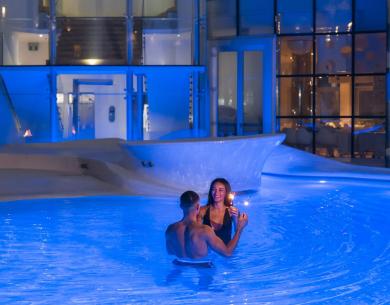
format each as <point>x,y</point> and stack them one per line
<point>188,239</point>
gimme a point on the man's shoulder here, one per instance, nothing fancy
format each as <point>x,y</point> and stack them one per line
<point>201,228</point>
<point>172,227</point>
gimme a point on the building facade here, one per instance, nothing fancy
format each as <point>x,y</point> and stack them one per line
<point>147,69</point>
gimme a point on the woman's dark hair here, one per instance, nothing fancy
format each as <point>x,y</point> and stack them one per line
<point>228,189</point>
<point>188,199</point>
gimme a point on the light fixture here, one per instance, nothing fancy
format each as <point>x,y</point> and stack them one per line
<point>3,11</point>
<point>92,61</point>
<point>27,133</point>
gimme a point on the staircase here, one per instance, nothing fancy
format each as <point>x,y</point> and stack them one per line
<point>137,41</point>
<point>101,39</point>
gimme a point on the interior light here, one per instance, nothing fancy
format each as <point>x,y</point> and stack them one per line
<point>246,203</point>
<point>41,35</point>
<point>92,61</point>
<point>322,181</point>
<point>3,11</point>
<point>27,133</point>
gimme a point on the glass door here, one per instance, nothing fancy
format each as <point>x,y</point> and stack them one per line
<point>86,116</point>
<point>227,93</point>
<point>240,92</point>
<point>253,92</point>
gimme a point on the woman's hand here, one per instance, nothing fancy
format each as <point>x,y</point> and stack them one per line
<point>234,212</point>
<point>242,221</point>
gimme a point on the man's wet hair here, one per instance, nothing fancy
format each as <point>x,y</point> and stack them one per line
<point>188,199</point>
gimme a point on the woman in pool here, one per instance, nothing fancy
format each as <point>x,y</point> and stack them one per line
<point>219,213</point>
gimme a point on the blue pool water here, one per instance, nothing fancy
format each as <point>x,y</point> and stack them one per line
<point>307,242</point>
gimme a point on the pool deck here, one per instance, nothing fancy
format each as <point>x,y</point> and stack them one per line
<point>54,170</point>
<point>18,184</point>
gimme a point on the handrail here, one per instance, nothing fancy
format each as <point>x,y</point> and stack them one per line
<point>4,90</point>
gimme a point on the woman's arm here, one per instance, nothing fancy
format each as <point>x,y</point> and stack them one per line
<point>218,245</point>
<point>234,214</point>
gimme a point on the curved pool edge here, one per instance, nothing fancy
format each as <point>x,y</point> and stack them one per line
<point>290,162</point>
<point>150,168</point>
<point>193,163</point>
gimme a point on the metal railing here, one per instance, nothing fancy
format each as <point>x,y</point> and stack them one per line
<point>5,93</point>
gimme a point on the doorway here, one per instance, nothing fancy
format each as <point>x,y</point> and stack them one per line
<point>243,74</point>
<point>91,106</point>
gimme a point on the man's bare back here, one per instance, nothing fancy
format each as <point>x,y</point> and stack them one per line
<point>186,240</point>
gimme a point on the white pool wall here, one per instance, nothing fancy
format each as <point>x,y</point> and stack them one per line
<point>288,161</point>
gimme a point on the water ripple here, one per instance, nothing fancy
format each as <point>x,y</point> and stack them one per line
<point>306,243</point>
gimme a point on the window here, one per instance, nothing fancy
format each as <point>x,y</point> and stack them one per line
<point>332,79</point>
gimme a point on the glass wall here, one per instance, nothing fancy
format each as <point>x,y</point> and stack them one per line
<point>222,18</point>
<point>25,32</point>
<point>90,8</point>
<point>294,16</point>
<point>229,18</point>
<point>98,32</point>
<point>162,32</point>
<point>332,77</point>
<point>256,17</point>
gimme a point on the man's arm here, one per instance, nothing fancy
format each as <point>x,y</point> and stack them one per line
<point>218,245</point>
<point>168,241</point>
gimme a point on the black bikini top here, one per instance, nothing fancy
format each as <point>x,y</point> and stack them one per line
<point>225,232</point>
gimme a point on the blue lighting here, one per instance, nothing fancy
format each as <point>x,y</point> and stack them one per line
<point>301,243</point>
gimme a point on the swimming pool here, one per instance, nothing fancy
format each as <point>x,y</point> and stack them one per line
<point>308,241</point>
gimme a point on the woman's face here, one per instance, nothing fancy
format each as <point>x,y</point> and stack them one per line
<point>218,192</point>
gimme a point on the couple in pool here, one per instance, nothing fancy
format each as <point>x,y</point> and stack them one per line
<point>206,227</point>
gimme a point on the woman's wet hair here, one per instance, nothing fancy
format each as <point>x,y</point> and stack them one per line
<point>228,189</point>
<point>188,199</point>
